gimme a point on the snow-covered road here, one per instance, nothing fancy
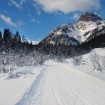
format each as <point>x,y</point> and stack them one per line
<point>59,84</point>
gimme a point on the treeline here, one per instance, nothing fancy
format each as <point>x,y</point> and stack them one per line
<point>16,51</point>
<point>97,41</point>
<point>10,41</point>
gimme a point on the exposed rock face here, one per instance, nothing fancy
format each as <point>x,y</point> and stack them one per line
<point>60,36</point>
<point>86,34</point>
<point>90,17</point>
<point>69,34</point>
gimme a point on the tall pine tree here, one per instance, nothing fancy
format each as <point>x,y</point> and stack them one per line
<point>7,35</point>
<point>17,37</point>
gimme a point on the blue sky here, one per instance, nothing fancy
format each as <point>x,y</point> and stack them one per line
<point>36,18</point>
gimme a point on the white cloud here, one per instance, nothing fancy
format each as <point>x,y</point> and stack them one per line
<point>67,6</point>
<point>19,23</point>
<point>17,4</point>
<point>9,21</point>
<point>38,10</point>
<point>76,16</point>
<point>22,2</point>
<point>33,19</point>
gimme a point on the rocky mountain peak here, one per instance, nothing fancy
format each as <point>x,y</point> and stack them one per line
<point>69,34</point>
<point>65,28</point>
<point>60,36</point>
<point>89,16</point>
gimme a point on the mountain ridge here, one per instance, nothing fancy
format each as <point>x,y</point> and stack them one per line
<point>75,39</point>
<point>81,31</point>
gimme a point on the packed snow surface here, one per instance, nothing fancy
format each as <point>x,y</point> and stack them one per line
<point>13,89</point>
<point>53,84</point>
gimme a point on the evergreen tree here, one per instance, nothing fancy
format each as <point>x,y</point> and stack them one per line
<point>7,35</point>
<point>17,37</point>
<point>23,39</point>
<point>0,35</point>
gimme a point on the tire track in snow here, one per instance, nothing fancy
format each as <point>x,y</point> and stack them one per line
<point>90,91</point>
<point>38,94</point>
<point>55,92</point>
<point>29,96</point>
<point>61,85</point>
<point>64,93</point>
<point>71,93</point>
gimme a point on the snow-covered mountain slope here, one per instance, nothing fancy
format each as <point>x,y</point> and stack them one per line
<point>88,24</point>
<point>87,29</point>
<point>83,30</point>
<point>60,36</point>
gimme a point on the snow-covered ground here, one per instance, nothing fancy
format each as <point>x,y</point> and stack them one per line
<point>54,83</point>
<point>13,89</point>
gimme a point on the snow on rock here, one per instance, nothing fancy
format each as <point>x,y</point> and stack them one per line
<point>80,31</point>
<point>84,30</point>
<point>61,35</point>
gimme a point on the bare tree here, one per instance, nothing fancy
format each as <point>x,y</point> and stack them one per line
<point>103,62</point>
<point>77,60</point>
<point>95,60</point>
